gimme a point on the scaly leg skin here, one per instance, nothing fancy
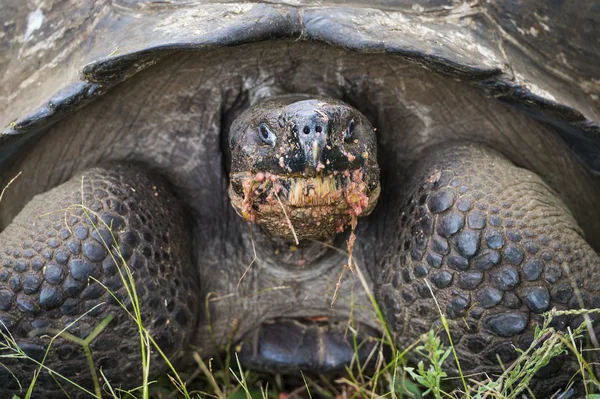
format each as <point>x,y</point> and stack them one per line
<point>55,271</point>
<point>498,248</point>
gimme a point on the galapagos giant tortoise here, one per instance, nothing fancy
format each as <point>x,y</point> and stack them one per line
<point>465,133</point>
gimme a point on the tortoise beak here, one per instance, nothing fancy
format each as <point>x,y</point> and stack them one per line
<point>312,133</point>
<point>313,154</point>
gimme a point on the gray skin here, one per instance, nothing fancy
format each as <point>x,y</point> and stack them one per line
<point>174,118</point>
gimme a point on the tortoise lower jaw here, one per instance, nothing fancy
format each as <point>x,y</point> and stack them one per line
<point>296,207</point>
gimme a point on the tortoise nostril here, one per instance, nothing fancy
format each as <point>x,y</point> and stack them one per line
<point>318,129</point>
<point>306,129</point>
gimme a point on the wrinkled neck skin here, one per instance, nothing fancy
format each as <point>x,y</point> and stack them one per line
<point>282,280</point>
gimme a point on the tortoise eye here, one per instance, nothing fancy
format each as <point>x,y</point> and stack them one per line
<point>266,135</point>
<point>349,131</point>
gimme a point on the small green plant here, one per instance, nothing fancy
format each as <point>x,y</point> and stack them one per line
<point>432,376</point>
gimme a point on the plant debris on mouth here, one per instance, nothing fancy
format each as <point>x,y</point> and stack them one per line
<point>316,207</point>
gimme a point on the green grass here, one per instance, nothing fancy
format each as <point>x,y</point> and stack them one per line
<point>224,378</point>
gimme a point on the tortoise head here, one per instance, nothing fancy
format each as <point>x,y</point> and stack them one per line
<point>303,168</point>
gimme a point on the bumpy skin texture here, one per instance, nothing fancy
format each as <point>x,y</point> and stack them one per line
<point>498,249</point>
<point>52,256</point>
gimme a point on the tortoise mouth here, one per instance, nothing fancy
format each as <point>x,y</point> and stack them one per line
<point>316,207</point>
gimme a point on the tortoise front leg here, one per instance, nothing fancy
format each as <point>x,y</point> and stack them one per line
<point>498,248</point>
<point>62,267</point>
